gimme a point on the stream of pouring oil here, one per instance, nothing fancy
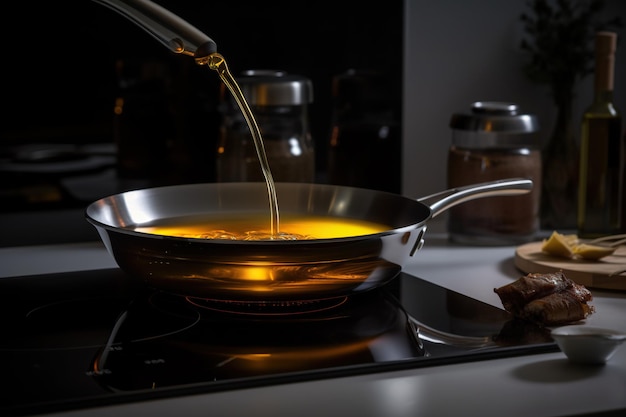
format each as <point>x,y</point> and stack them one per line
<point>217,62</point>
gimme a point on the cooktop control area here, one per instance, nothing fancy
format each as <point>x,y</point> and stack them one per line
<point>84,339</point>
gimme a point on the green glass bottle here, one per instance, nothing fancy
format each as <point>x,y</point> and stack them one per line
<point>602,152</point>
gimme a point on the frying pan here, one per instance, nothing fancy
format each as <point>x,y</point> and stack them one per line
<point>272,271</point>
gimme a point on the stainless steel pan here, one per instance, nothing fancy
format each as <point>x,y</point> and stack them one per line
<point>272,270</point>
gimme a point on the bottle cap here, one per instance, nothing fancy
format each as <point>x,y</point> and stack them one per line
<point>606,43</point>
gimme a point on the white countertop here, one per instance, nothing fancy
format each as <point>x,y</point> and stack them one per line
<point>537,385</point>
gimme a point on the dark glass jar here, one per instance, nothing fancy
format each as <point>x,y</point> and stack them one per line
<point>279,103</point>
<point>144,125</point>
<point>366,134</point>
<point>494,142</point>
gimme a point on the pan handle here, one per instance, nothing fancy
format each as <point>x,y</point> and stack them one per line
<point>441,201</point>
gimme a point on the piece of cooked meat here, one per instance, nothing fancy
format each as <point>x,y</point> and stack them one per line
<point>547,299</point>
<point>581,292</point>
<point>556,309</point>
<point>516,295</point>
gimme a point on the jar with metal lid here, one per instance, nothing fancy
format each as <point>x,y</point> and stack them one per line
<point>279,103</point>
<point>494,142</point>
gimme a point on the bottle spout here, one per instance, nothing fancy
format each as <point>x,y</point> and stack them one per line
<point>175,33</point>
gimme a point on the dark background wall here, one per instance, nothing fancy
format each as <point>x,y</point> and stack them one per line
<point>61,64</point>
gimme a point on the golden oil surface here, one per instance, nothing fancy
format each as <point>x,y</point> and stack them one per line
<point>254,227</point>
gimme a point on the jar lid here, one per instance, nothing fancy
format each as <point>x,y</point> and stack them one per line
<point>275,88</point>
<point>495,117</point>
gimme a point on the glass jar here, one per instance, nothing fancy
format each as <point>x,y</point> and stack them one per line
<point>279,103</point>
<point>494,142</point>
<point>366,134</point>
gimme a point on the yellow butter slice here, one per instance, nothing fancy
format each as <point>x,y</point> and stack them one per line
<point>558,245</point>
<point>593,252</point>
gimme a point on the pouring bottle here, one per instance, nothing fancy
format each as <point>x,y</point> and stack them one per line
<point>170,30</point>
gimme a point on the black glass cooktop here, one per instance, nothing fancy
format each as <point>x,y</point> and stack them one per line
<point>85,339</point>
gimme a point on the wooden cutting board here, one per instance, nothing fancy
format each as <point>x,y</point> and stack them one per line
<point>606,273</point>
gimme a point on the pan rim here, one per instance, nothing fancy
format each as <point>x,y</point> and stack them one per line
<point>407,227</point>
<point>277,242</point>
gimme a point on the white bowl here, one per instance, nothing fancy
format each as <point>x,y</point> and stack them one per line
<point>586,344</point>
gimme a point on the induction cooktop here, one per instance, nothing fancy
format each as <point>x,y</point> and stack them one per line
<point>85,339</point>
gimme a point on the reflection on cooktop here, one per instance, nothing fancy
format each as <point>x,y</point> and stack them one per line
<point>89,338</point>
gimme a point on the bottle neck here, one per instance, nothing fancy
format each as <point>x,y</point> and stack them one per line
<point>604,72</point>
<point>603,104</point>
<point>603,96</point>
